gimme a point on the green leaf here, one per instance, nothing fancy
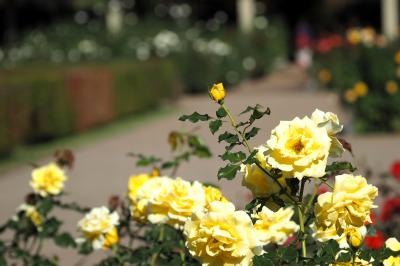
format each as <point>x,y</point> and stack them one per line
<point>263,260</point>
<point>200,149</point>
<point>253,132</point>
<point>229,171</point>
<point>215,125</point>
<point>250,108</point>
<point>340,166</point>
<point>228,137</point>
<point>233,157</point>
<point>45,206</point>
<point>221,113</point>
<point>146,160</point>
<point>50,227</point>
<point>64,240</point>
<point>86,248</point>
<point>257,113</point>
<point>195,117</point>
<point>251,158</point>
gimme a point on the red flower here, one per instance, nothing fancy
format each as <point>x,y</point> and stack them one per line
<point>395,170</point>
<point>375,242</point>
<point>390,207</point>
<point>322,189</point>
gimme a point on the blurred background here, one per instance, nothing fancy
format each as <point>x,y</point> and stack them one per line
<point>108,77</point>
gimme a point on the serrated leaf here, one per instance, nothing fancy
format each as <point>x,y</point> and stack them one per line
<point>221,113</point>
<point>214,125</point>
<point>253,132</point>
<point>257,113</point>
<point>233,157</point>
<point>263,260</point>
<point>146,160</point>
<point>340,166</point>
<point>251,158</point>
<point>65,240</point>
<point>228,137</point>
<point>228,172</point>
<point>250,108</point>
<point>195,117</point>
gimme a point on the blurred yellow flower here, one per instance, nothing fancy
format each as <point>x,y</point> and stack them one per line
<point>331,122</point>
<point>135,182</point>
<point>391,87</point>
<point>350,95</point>
<point>48,180</point>
<point>324,76</point>
<point>393,244</point>
<point>347,207</point>
<point>222,236</point>
<point>32,214</point>
<point>397,57</point>
<point>299,147</point>
<point>361,88</point>
<point>175,203</point>
<point>353,36</point>
<point>217,92</point>
<point>274,227</point>
<point>99,227</point>
<point>260,184</point>
<point>392,261</point>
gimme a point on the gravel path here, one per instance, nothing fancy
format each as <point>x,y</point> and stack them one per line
<point>102,168</point>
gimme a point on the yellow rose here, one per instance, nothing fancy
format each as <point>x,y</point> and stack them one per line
<point>144,193</point>
<point>33,215</point>
<point>331,122</point>
<point>350,96</point>
<point>299,147</point>
<point>99,227</point>
<point>361,88</point>
<point>48,180</point>
<point>135,182</point>
<point>275,227</point>
<point>391,87</point>
<point>222,236</point>
<point>393,244</point>
<point>217,92</point>
<point>347,207</point>
<point>213,194</point>
<point>392,261</point>
<point>354,238</point>
<point>175,203</point>
<point>260,184</point>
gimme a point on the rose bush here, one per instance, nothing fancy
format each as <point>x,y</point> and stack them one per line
<point>167,220</point>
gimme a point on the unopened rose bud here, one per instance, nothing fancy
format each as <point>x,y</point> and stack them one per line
<point>30,199</point>
<point>217,92</point>
<point>354,239</point>
<point>155,172</point>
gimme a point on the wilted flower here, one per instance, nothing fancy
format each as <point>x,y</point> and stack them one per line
<point>222,236</point>
<point>299,147</point>
<point>99,227</point>
<point>275,227</point>
<point>48,180</point>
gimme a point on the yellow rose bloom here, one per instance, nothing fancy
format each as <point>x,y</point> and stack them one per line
<point>144,193</point>
<point>354,238</point>
<point>48,180</point>
<point>391,87</point>
<point>350,96</point>
<point>299,147</point>
<point>175,203</point>
<point>331,122</point>
<point>397,57</point>
<point>213,194</point>
<point>392,261</point>
<point>361,88</point>
<point>99,227</point>
<point>135,182</point>
<point>347,207</point>
<point>217,92</point>
<point>393,244</point>
<point>324,75</point>
<point>260,184</point>
<point>222,236</point>
<point>33,215</point>
<point>275,227</point>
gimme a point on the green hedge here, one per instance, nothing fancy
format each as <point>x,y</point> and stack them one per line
<point>35,104</point>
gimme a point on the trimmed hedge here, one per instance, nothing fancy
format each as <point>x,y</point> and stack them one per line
<point>41,102</point>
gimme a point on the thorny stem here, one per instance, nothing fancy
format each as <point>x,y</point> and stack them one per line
<point>234,125</point>
<point>301,219</point>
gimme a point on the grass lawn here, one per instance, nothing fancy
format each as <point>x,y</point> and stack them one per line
<point>26,154</point>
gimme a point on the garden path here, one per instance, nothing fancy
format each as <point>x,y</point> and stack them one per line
<point>102,168</point>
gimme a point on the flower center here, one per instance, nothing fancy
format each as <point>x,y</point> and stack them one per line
<point>298,146</point>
